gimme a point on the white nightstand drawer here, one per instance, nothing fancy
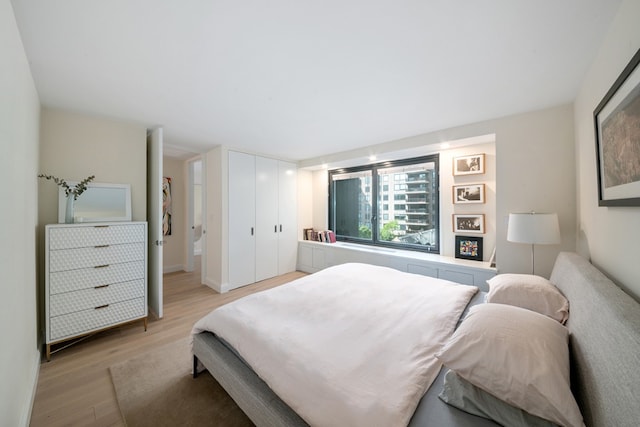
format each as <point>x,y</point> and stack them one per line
<point>71,302</point>
<point>98,256</point>
<point>85,278</point>
<point>81,322</point>
<point>88,236</point>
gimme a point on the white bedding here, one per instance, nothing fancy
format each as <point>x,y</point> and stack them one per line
<point>350,345</point>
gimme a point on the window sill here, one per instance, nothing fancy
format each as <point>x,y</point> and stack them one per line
<point>315,256</point>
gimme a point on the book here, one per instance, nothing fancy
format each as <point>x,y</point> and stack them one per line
<point>307,233</point>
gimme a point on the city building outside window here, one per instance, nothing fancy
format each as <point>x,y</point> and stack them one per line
<point>360,212</point>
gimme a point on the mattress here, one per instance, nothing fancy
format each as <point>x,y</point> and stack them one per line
<point>264,407</point>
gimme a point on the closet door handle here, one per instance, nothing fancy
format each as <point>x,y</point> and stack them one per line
<point>275,228</point>
<point>252,231</point>
<point>281,228</point>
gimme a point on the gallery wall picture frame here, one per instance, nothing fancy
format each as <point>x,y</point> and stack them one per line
<point>167,209</point>
<point>468,247</point>
<point>468,165</point>
<point>468,193</point>
<point>468,223</point>
<point>617,134</point>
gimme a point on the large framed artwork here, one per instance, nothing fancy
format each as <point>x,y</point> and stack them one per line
<point>468,248</point>
<point>617,128</point>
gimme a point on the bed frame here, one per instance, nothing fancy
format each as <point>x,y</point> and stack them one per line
<point>604,343</point>
<point>605,360</point>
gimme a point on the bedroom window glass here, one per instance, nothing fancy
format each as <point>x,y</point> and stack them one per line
<point>361,213</point>
<point>352,200</point>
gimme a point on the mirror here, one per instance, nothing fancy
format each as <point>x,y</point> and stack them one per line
<point>99,203</point>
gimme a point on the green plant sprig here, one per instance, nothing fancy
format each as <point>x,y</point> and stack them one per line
<point>77,190</point>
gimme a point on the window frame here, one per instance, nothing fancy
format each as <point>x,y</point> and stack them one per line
<point>376,194</point>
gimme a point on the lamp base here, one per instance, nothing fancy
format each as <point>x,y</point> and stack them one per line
<point>533,260</point>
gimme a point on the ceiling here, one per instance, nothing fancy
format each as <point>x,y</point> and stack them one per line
<point>300,79</point>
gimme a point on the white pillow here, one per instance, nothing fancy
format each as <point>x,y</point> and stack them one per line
<point>517,355</point>
<point>531,292</point>
<point>461,394</point>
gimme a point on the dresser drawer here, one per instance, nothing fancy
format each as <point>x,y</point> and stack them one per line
<point>95,297</point>
<point>81,322</point>
<point>99,256</point>
<point>88,236</point>
<point>85,278</point>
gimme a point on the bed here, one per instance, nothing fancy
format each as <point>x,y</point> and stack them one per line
<point>604,357</point>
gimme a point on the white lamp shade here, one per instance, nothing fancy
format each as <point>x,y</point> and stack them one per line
<point>534,228</point>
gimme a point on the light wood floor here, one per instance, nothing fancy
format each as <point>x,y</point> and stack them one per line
<point>75,389</point>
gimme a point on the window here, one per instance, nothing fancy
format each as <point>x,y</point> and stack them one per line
<point>415,222</point>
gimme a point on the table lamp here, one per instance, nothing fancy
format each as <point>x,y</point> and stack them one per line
<point>535,229</point>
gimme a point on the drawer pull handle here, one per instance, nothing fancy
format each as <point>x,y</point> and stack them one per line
<point>101,266</point>
<point>101,246</point>
<point>100,286</point>
<point>102,306</point>
<point>101,226</point>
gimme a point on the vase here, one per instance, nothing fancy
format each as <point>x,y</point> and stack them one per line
<point>68,216</point>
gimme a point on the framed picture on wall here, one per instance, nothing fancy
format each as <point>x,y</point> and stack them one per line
<point>468,165</point>
<point>617,127</point>
<point>468,223</point>
<point>468,248</point>
<point>167,209</point>
<point>468,193</point>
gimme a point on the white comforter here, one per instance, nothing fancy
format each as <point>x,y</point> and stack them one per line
<point>352,345</point>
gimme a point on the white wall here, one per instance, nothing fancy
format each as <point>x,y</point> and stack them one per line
<point>19,127</point>
<point>319,207</point>
<point>74,146</point>
<point>535,171</point>
<point>174,248</point>
<point>305,201</point>
<point>608,235</point>
<point>217,236</point>
<point>448,209</point>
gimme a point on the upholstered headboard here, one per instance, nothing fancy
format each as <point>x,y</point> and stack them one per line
<point>605,343</point>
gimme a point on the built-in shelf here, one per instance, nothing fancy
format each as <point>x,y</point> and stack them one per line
<point>315,256</point>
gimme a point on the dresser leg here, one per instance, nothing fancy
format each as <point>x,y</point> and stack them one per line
<point>48,352</point>
<point>145,324</point>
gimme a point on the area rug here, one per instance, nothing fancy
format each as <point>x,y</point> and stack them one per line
<point>157,389</point>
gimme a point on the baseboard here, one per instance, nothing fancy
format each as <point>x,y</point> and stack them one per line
<point>172,268</point>
<point>214,285</point>
<point>28,405</point>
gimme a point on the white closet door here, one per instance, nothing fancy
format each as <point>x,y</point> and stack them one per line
<point>266,218</point>
<point>287,217</point>
<point>242,227</point>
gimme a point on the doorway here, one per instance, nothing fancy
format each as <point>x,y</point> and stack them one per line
<point>196,206</point>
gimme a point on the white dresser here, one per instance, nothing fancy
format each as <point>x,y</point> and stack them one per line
<point>95,278</point>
